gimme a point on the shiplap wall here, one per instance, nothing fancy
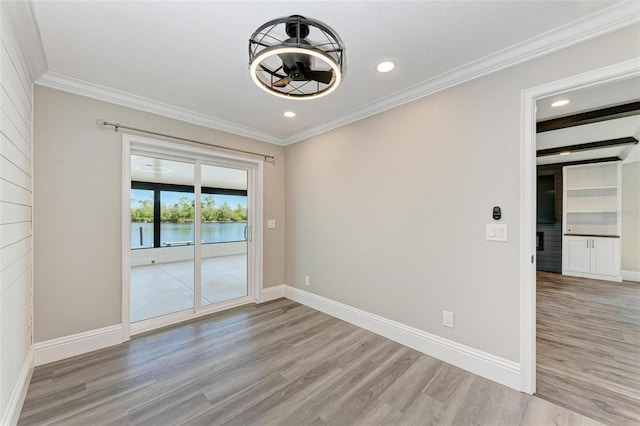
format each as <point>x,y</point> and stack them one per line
<point>15,216</point>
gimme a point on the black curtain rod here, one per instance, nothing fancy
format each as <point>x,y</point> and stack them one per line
<point>116,126</point>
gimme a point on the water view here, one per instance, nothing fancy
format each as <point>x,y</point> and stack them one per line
<point>180,232</point>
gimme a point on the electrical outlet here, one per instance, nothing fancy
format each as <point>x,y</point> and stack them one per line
<point>447,319</point>
<point>307,280</point>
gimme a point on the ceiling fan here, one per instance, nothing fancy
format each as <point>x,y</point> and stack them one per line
<point>297,66</point>
<point>295,57</point>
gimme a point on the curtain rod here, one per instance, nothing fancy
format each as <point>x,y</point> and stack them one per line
<point>116,126</point>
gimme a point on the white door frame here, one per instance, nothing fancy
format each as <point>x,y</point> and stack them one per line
<point>199,156</point>
<point>607,74</point>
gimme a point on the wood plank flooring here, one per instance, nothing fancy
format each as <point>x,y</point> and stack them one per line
<point>588,346</point>
<point>279,363</point>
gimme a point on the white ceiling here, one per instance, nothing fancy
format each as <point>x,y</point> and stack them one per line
<point>589,99</point>
<point>601,131</point>
<point>158,170</point>
<point>190,58</point>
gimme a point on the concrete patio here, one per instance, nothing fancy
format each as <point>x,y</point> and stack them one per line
<point>164,288</point>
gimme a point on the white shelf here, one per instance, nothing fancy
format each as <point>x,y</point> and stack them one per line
<point>593,211</point>
<point>592,188</point>
<point>592,201</point>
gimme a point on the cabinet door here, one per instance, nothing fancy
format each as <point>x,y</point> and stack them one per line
<point>577,252</point>
<point>605,256</point>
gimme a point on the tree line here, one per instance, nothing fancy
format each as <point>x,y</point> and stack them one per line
<point>184,211</point>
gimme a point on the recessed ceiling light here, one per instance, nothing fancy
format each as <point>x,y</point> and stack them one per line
<point>565,153</point>
<point>289,114</point>
<point>385,66</point>
<point>560,103</point>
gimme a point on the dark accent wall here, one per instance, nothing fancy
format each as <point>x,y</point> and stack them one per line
<point>550,257</point>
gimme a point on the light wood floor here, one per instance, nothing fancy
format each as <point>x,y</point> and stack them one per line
<point>588,346</point>
<point>279,363</point>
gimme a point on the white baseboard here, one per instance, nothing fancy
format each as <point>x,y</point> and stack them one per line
<point>615,278</point>
<point>271,293</point>
<point>19,393</point>
<point>492,367</point>
<point>77,344</point>
<point>631,275</point>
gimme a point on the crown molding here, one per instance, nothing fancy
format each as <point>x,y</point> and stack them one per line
<point>23,23</point>
<point>102,93</point>
<point>616,17</point>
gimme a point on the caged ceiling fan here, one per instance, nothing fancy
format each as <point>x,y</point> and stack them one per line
<point>296,58</point>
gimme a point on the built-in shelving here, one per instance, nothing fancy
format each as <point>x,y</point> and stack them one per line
<point>592,199</point>
<point>591,223</point>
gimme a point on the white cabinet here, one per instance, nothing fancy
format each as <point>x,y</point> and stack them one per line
<point>578,254</point>
<point>592,257</point>
<point>591,223</point>
<point>605,257</point>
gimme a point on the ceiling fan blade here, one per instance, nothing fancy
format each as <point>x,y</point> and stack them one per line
<point>321,76</point>
<point>283,82</point>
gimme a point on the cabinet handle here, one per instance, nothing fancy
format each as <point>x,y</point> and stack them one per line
<point>587,243</point>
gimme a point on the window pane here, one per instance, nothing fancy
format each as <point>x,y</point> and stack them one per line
<point>162,277</point>
<point>141,218</point>
<point>224,227</point>
<point>224,218</point>
<point>176,218</point>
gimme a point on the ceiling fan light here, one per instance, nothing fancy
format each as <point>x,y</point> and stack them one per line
<point>296,58</point>
<point>273,51</point>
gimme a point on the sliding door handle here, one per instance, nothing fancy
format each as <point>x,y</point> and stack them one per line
<point>246,232</point>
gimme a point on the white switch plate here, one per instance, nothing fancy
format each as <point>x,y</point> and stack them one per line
<point>307,280</point>
<point>497,231</point>
<point>271,223</point>
<point>447,319</point>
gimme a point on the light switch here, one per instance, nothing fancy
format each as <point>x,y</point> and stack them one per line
<point>497,231</point>
<point>271,223</point>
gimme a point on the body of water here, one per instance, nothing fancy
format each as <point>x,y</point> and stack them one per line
<point>173,232</point>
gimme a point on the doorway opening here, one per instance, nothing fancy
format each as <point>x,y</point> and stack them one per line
<point>569,204</point>
<point>188,221</point>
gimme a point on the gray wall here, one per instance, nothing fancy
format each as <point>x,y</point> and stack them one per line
<point>77,216</point>
<point>388,214</point>
<point>631,217</point>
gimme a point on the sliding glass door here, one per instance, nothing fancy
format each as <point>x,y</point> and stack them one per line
<point>162,237</point>
<point>189,236</point>
<point>224,231</point>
